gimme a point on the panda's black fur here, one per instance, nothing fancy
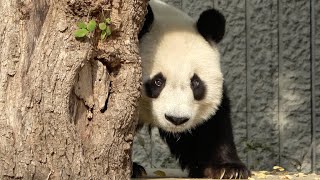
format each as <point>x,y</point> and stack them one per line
<point>208,150</point>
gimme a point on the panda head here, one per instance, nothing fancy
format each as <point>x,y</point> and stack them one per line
<point>182,79</point>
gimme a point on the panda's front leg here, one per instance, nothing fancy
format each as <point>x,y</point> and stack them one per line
<point>220,162</point>
<point>206,155</point>
<point>221,171</point>
<point>227,171</point>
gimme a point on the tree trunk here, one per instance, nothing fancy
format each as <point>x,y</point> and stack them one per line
<point>68,107</point>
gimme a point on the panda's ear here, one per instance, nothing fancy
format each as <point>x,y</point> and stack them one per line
<point>211,25</point>
<point>147,22</point>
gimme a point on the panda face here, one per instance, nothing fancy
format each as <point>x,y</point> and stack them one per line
<point>182,80</point>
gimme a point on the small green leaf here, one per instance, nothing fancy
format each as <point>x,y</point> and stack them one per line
<point>108,20</point>
<point>160,173</point>
<point>102,26</point>
<point>103,35</point>
<point>91,25</point>
<point>108,31</point>
<point>82,25</point>
<point>81,33</point>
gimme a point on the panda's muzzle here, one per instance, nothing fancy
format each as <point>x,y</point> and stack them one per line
<point>176,120</point>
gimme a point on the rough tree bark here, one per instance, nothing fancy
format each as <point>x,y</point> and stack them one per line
<point>67,107</point>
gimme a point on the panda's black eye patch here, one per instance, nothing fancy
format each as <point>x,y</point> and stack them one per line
<point>198,87</point>
<point>154,86</point>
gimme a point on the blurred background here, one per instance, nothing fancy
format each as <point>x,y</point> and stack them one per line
<point>271,65</point>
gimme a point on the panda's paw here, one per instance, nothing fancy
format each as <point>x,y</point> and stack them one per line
<point>138,171</point>
<point>227,171</point>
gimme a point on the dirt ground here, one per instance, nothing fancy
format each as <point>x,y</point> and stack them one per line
<point>277,174</point>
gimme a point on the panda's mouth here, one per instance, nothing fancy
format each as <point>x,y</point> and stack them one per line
<point>173,128</point>
<point>177,129</point>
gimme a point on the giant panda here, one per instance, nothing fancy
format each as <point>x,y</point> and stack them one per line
<point>183,93</point>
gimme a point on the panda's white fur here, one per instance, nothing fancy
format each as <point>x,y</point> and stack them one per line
<point>174,47</point>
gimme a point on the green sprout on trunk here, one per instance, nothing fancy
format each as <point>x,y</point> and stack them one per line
<point>84,29</point>
<point>105,28</point>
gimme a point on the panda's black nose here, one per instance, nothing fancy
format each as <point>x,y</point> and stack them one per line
<point>176,120</point>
